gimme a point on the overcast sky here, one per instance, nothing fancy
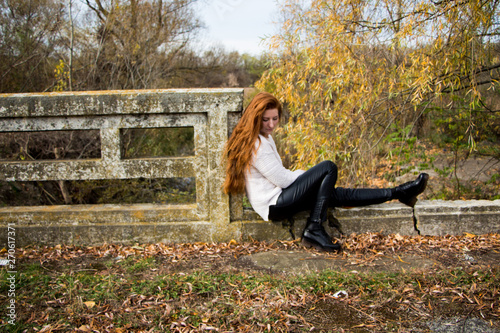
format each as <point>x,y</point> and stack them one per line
<point>238,25</point>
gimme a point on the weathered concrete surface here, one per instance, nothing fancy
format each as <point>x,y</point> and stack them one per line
<point>387,218</point>
<point>112,233</point>
<point>215,217</point>
<point>149,223</point>
<point>139,102</point>
<point>441,217</point>
<point>461,325</point>
<point>433,217</point>
<point>99,224</point>
<point>300,262</point>
<point>211,113</point>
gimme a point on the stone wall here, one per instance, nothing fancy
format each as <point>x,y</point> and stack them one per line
<point>209,111</point>
<point>214,217</point>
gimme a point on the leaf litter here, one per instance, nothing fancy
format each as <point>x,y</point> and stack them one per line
<point>202,287</point>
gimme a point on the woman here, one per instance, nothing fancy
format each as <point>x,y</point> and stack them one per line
<point>276,193</point>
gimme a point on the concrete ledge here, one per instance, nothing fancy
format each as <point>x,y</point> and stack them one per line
<point>129,224</point>
<point>433,218</point>
<point>441,217</point>
<point>97,214</point>
<point>387,218</point>
<point>99,224</point>
<point>98,234</point>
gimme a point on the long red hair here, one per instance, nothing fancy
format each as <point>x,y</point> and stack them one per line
<point>240,147</point>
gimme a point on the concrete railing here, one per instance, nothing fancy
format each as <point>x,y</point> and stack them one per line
<point>212,113</point>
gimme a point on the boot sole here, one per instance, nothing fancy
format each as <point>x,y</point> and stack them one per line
<point>309,244</point>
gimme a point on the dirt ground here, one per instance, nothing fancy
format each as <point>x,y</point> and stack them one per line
<point>468,177</point>
<point>473,168</point>
<point>298,262</point>
<point>363,253</point>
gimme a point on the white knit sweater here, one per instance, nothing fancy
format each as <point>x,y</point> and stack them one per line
<point>267,177</point>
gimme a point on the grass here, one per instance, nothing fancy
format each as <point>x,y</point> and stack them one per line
<point>196,291</point>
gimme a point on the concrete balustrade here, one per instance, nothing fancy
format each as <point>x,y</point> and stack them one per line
<point>208,111</point>
<point>214,217</point>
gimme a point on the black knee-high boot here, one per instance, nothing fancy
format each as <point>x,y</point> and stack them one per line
<point>406,193</point>
<point>315,234</point>
<point>357,197</point>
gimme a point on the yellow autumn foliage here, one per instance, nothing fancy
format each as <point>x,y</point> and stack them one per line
<point>351,72</point>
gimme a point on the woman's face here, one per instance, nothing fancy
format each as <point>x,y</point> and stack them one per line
<point>270,120</point>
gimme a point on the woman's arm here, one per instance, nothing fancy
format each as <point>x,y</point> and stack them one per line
<point>269,165</point>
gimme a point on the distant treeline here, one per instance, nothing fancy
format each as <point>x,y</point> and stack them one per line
<point>52,45</point>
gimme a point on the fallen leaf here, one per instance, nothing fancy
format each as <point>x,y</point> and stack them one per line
<point>84,328</point>
<point>89,304</point>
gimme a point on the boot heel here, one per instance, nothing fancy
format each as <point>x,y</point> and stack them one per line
<point>407,193</point>
<point>411,202</point>
<point>307,244</point>
<point>331,247</point>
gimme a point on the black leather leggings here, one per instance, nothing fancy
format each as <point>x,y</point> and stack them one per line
<point>316,187</point>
